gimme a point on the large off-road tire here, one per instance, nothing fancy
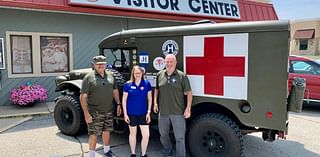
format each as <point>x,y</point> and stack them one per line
<point>68,115</point>
<point>214,135</point>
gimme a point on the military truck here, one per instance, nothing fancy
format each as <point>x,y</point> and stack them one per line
<point>238,74</point>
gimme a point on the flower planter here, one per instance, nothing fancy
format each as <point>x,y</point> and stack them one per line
<point>28,95</point>
<point>26,105</point>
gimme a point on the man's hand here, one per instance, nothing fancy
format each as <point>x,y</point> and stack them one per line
<point>187,113</point>
<point>155,108</point>
<point>119,110</point>
<point>88,118</point>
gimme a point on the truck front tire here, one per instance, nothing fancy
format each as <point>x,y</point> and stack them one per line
<point>214,135</point>
<point>68,115</point>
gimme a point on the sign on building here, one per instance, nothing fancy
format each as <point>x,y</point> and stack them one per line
<point>202,8</point>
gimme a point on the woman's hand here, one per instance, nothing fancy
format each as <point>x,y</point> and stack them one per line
<point>148,118</point>
<point>126,118</point>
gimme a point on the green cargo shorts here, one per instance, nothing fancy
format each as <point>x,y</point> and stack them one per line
<point>101,122</point>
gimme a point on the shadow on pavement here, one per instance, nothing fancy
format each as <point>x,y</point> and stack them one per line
<point>311,106</point>
<point>255,146</point>
<point>119,143</point>
<point>36,122</point>
<point>311,110</point>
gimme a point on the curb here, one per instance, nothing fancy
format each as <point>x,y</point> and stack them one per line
<point>15,124</point>
<point>24,115</point>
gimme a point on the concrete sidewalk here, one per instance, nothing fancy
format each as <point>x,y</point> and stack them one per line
<point>13,115</point>
<point>10,111</point>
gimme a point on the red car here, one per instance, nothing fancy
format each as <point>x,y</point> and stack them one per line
<point>309,70</point>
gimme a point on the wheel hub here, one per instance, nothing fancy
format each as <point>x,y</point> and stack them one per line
<point>213,143</point>
<point>67,116</point>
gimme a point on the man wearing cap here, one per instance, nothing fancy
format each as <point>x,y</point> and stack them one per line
<point>97,92</point>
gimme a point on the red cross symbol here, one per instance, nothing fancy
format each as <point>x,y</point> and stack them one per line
<point>214,65</point>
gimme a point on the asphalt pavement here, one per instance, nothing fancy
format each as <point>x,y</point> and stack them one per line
<point>32,132</point>
<point>13,115</point>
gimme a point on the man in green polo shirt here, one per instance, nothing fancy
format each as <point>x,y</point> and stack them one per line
<point>97,92</point>
<point>171,86</point>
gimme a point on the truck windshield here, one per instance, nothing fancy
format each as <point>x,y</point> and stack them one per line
<point>118,59</point>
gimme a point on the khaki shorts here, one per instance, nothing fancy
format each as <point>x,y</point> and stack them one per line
<point>101,122</point>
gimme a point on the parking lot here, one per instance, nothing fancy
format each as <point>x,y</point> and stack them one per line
<point>40,137</point>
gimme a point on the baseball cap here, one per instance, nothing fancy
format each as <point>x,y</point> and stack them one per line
<point>99,60</point>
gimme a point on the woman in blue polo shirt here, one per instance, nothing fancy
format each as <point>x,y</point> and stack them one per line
<point>136,101</point>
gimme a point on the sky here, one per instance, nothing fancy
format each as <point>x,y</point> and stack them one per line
<point>297,9</point>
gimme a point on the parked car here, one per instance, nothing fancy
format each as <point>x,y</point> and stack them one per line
<point>308,69</point>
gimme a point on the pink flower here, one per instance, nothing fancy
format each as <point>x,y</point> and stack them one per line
<point>27,94</point>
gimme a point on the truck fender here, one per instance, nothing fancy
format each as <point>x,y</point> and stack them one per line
<point>74,85</point>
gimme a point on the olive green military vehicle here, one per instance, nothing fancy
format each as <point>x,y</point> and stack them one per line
<point>238,74</point>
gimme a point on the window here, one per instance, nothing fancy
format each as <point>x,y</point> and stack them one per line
<point>54,54</point>
<point>305,67</point>
<point>119,59</point>
<point>2,63</point>
<point>21,58</point>
<point>303,44</point>
<point>32,54</point>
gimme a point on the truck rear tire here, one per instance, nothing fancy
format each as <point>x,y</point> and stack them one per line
<point>214,135</point>
<point>68,115</point>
